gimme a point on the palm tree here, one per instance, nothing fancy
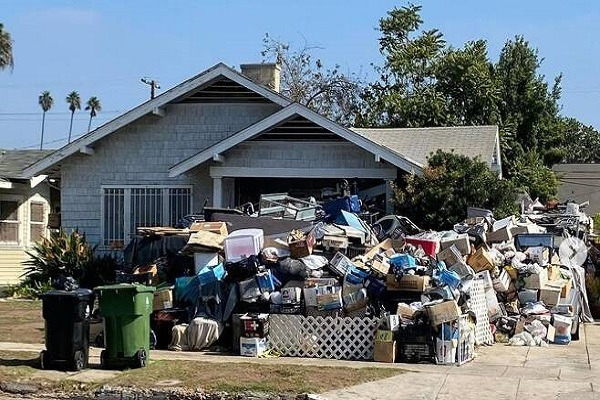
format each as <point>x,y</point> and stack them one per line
<point>6,54</point>
<point>94,107</point>
<point>74,102</point>
<point>45,101</point>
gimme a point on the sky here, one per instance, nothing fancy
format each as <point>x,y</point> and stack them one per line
<point>104,48</point>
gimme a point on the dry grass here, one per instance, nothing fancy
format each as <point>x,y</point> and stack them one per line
<point>21,321</point>
<point>236,377</point>
<point>230,377</point>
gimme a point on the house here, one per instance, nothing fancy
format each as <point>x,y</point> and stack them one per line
<point>579,183</point>
<point>220,139</point>
<point>25,204</point>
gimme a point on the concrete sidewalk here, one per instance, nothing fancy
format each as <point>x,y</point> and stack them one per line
<point>498,372</point>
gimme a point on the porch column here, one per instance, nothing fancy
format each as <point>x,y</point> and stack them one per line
<point>217,192</point>
<point>389,207</point>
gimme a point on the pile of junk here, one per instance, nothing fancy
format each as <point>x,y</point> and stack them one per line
<point>325,281</point>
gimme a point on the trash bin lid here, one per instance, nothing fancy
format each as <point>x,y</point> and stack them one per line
<point>126,286</point>
<point>69,293</point>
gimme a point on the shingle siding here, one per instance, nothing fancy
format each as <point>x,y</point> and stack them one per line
<point>143,152</point>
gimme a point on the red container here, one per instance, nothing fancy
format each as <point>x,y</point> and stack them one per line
<point>430,246</point>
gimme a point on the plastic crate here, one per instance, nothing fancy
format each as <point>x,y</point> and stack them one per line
<point>415,333</point>
<point>416,353</point>
<point>243,243</point>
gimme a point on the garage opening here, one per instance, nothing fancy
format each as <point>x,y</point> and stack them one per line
<point>250,189</point>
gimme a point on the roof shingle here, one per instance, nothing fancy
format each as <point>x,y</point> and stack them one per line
<point>13,162</point>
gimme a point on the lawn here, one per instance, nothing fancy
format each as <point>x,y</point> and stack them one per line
<point>21,321</point>
<point>22,367</point>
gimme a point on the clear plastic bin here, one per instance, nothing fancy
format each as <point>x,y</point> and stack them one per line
<point>243,243</point>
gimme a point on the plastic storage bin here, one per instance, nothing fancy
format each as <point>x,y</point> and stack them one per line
<point>67,322</point>
<point>243,243</point>
<point>430,246</point>
<point>126,309</point>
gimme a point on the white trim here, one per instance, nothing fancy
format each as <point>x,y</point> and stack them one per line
<point>6,185</point>
<point>217,191</point>
<point>145,186</point>
<point>280,116</point>
<point>36,180</point>
<point>21,243</point>
<point>218,158</point>
<point>245,172</point>
<point>177,92</point>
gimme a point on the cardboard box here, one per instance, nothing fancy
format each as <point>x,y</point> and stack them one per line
<point>384,335</point>
<point>461,241</point>
<point>334,242</point>
<point>384,351</point>
<point>252,347</point>
<point>550,294</point>
<point>566,289</point>
<point>481,260</point>
<point>450,256</point>
<point>405,311</point>
<point>301,248</point>
<point>503,234</point>
<point>539,254</point>
<point>408,283</point>
<point>380,267</point>
<point>163,299</point>
<point>310,289</point>
<point>443,312</point>
<point>502,282</point>
<point>214,227</point>
<point>382,247</point>
<point>536,281</point>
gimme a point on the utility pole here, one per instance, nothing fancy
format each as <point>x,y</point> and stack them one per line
<point>153,83</point>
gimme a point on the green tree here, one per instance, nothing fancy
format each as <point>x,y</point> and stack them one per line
<point>424,82</point>
<point>450,183</point>
<point>306,80</point>
<point>6,49</point>
<point>581,142</point>
<point>74,102</point>
<point>45,101</point>
<point>94,107</point>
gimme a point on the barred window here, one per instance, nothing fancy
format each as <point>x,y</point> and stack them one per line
<point>127,208</point>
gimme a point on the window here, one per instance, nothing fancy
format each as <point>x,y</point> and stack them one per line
<point>37,221</point>
<point>127,208</point>
<point>9,222</point>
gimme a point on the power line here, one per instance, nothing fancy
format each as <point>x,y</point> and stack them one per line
<point>55,113</point>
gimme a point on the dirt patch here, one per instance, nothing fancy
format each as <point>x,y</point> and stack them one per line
<point>21,321</point>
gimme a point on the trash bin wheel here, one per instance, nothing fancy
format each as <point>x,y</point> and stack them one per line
<point>79,360</point>
<point>103,362</point>
<point>141,358</point>
<point>44,359</point>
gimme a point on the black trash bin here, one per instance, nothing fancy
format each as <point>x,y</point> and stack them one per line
<point>67,322</point>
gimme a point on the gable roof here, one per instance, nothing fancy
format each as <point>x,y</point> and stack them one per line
<point>418,143</point>
<point>174,94</point>
<point>283,115</point>
<point>13,162</point>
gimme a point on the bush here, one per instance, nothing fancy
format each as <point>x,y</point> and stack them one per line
<point>100,271</point>
<point>59,256</point>
<point>450,183</point>
<point>28,289</point>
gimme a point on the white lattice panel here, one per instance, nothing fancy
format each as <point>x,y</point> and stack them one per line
<point>322,337</point>
<point>483,333</point>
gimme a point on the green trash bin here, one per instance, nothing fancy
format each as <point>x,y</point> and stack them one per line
<point>126,309</point>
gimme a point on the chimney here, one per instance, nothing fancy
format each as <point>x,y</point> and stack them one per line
<point>266,74</point>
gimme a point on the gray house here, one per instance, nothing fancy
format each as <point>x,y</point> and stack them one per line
<point>219,136</point>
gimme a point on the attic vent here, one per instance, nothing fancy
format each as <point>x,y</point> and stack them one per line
<point>224,90</point>
<point>298,128</point>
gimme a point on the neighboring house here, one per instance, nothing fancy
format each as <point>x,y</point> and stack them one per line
<point>222,138</point>
<point>24,208</point>
<point>580,183</point>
